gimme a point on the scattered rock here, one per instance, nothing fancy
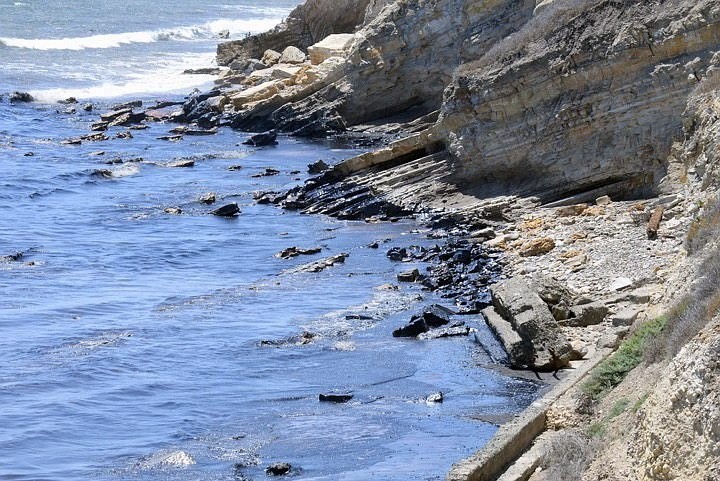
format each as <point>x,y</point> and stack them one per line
<point>170,138</point>
<point>291,252</point>
<point>433,317</point>
<point>235,167</point>
<point>28,154</point>
<point>271,57</point>
<point>12,257</point>
<point>604,200</point>
<point>268,172</point>
<point>173,210</point>
<point>71,142</point>
<point>292,55</point>
<point>537,247</point>
<point>457,330</point>
<point>278,469</point>
<point>571,210</point>
<point>303,339</point>
<point>208,198</point>
<point>202,71</point>
<point>88,107</point>
<point>20,97</point>
<point>181,163</point>
<point>620,283</point>
<point>68,101</point>
<point>265,138</point>
<point>335,398</point>
<point>586,315</point>
<point>409,276</point>
<point>435,397</point>
<point>626,317</point>
<point>324,263</point>
<point>317,167</point>
<point>335,45</point>
<point>228,210</point>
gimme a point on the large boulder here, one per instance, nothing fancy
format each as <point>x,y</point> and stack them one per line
<point>534,339</point>
<point>336,45</point>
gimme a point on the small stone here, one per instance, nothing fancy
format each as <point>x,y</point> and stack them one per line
<point>271,57</point>
<point>292,55</point>
<point>173,210</point>
<point>604,200</point>
<point>263,139</point>
<point>435,398</point>
<point>278,469</point>
<point>620,283</point>
<point>229,210</point>
<point>208,198</point>
<point>537,247</point>
<point>626,317</point>
<point>182,163</point>
<point>335,398</point>
<point>317,167</point>
<point>409,276</point>
<point>571,210</point>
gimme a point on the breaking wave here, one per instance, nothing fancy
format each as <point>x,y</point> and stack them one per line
<point>233,28</point>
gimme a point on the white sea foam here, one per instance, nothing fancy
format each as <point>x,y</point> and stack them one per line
<point>161,79</point>
<point>193,32</point>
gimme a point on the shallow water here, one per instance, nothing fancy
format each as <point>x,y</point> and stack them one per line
<point>132,339</point>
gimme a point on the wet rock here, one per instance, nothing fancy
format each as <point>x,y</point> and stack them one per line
<point>397,254</point>
<point>409,276</point>
<point>71,142</point>
<point>263,139</point>
<point>124,135</point>
<point>68,101</point>
<point>228,210</point>
<point>323,264</point>
<point>433,317</point>
<point>104,173</point>
<point>202,71</point>
<point>291,252</point>
<point>235,167</point>
<point>457,330</point>
<point>278,469</point>
<point>28,154</point>
<point>20,97</point>
<point>373,245</point>
<point>88,107</point>
<point>317,167</point>
<point>412,329</point>
<point>302,339</point>
<point>14,257</point>
<point>268,172</point>
<point>181,163</point>
<point>199,132</point>
<point>173,210</point>
<point>99,126</point>
<point>170,138</point>
<point>127,105</point>
<point>335,398</point>
<point>208,198</point>
<point>435,397</point>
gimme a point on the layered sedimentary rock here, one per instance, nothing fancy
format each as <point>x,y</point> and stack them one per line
<point>307,24</point>
<point>585,95</point>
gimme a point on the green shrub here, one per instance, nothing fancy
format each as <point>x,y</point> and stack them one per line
<point>613,370</point>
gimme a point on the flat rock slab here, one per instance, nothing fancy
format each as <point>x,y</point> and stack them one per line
<point>336,45</point>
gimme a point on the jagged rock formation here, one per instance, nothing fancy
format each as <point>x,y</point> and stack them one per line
<point>307,24</point>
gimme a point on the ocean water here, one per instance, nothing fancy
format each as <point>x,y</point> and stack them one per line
<point>139,345</point>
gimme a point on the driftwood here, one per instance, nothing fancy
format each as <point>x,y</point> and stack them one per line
<point>654,222</point>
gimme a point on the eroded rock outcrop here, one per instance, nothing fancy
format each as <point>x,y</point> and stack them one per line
<point>307,24</point>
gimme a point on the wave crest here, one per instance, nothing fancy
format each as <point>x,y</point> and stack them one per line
<point>194,32</point>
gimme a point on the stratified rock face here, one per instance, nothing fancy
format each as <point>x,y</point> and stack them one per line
<point>585,95</point>
<point>404,57</point>
<point>307,24</point>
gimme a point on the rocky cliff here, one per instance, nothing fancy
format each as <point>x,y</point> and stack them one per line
<point>543,110</point>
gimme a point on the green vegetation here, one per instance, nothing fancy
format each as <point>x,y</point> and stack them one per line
<point>638,404</point>
<point>597,430</point>
<point>619,407</point>
<point>613,370</point>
